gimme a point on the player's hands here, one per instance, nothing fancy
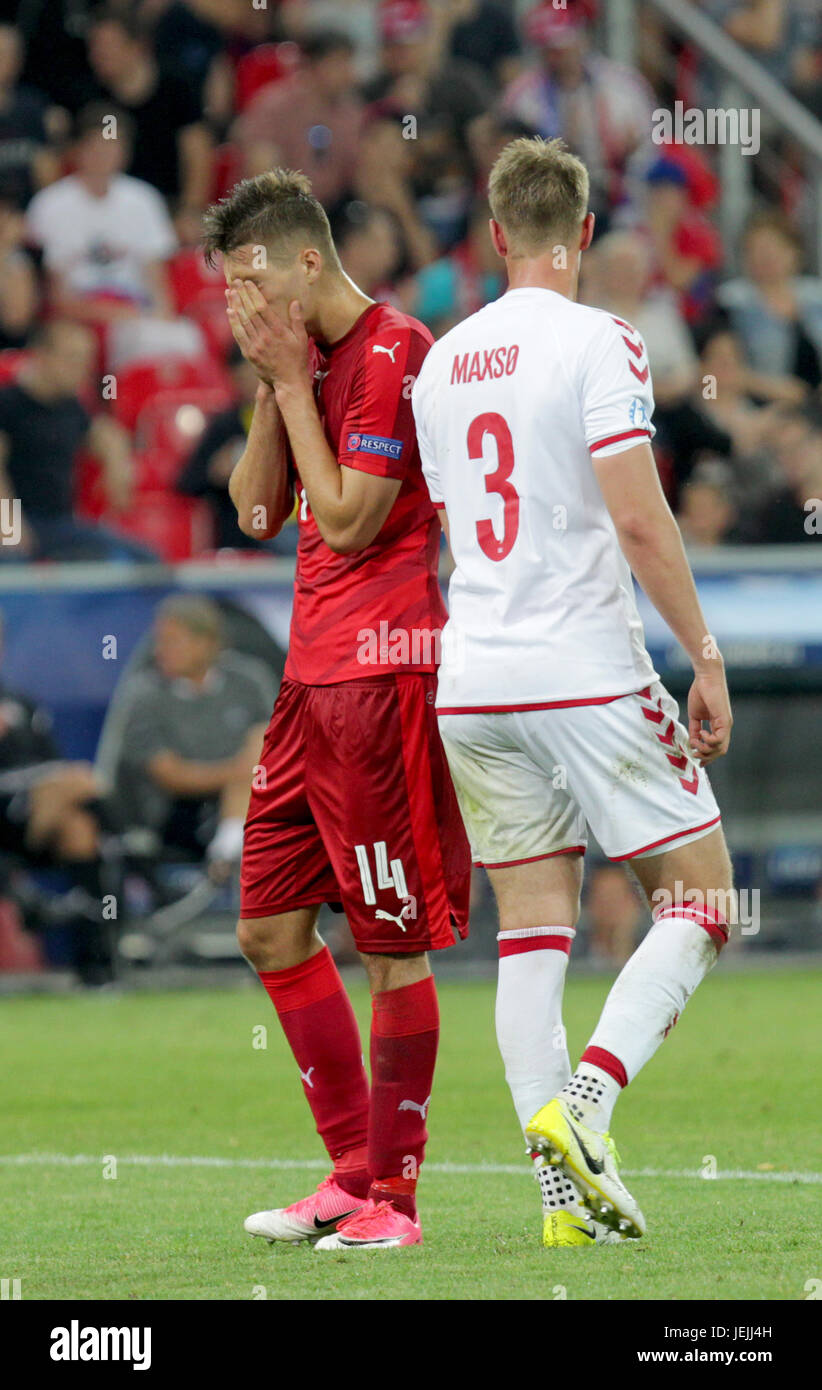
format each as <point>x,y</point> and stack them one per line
<point>277,351</point>
<point>247,311</point>
<point>709,701</point>
<point>291,363</point>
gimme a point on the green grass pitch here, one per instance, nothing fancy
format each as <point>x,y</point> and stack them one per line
<point>178,1075</point>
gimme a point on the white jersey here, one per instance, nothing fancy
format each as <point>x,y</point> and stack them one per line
<point>510,406</point>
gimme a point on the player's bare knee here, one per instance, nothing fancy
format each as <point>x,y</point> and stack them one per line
<point>394,972</point>
<point>250,939</point>
<point>546,893</point>
<point>698,874</point>
<point>263,946</point>
<point>279,941</point>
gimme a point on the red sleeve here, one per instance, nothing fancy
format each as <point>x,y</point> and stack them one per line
<point>377,434</point>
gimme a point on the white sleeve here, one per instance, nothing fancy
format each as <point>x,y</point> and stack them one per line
<point>53,224</point>
<point>616,389</point>
<point>429,467</point>
<point>158,240</point>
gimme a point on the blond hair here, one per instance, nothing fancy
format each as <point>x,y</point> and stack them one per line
<point>197,613</point>
<point>538,193</point>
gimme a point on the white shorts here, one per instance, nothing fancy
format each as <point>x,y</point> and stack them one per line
<point>531,782</point>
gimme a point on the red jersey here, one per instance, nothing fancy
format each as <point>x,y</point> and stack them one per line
<point>379,610</point>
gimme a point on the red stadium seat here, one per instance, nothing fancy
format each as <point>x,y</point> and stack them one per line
<point>89,495</point>
<point>19,951</point>
<point>208,311</point>
<point>139,382</point>
<point>169,426</point>
<point>228,167</point>
<point>269,62</point>
<point>175,527</point>
<point>189,276</point>
<point>199,294</point>
<point>10,363</point>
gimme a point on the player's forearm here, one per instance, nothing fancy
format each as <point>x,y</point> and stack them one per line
<point>259,486</point>
<point>335,512</point>
<point>182,777</point>
<point>112,447</point>
<point>789,390</point>
<point>657,558</point>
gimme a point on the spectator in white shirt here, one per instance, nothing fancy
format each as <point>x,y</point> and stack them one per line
<point>105,238</point>
<point>601,109</point>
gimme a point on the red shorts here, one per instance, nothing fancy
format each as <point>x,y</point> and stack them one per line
<point>357,809</point>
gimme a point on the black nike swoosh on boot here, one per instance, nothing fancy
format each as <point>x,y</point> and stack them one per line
<point>594,1165</point>
<point>592,1235</point>
<point>335,1220</point>
<point>382,1240</point>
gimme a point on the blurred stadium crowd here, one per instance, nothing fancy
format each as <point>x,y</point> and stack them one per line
<point>122,405</point>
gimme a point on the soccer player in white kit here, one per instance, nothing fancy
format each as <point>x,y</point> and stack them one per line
<point>534,425</point>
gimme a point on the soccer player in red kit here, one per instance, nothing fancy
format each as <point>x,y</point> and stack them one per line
<point>356,807</point>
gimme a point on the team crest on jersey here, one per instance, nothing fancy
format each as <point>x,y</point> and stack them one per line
<point>638,413</point>
<point>374,444</point>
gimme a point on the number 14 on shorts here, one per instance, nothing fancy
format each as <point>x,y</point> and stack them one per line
<point>388,875</point>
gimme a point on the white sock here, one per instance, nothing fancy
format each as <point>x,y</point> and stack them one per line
<point>555,1189</point>
<point>530,1034</point>
<point>645,1002</point>
<point>591,1095</point>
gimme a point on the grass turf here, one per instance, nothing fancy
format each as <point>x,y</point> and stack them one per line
<point>177,1074</point>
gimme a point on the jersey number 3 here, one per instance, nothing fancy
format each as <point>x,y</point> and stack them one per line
<point>498,481</point>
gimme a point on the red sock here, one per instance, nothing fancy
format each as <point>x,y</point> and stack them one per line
<point>404,1035</point>
<point>317,1018</point>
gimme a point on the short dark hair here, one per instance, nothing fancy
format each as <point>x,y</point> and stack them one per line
<point>276,209</point>
<point>90,120</point>
<point>772,219</point>
<point>323,42</point>
<point>354,218</point>
<point>45,334</point>
<point>135,28</point>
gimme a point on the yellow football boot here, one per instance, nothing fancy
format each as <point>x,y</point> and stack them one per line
<point>590,1161</point>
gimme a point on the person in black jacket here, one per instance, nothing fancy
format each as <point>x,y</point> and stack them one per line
<point>49,818</point>
<point>213,458</point>
<point>794,510</point>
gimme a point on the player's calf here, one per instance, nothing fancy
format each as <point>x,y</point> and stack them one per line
<point>644,1004</point>
<point>404,1040</point>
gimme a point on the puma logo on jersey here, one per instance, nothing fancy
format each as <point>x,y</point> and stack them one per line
<point>389,917</point>
<point>306,1076</point>
<point>412,1105</point>
<point>389,351</point>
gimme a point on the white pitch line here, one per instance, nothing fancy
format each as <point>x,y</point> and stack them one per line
<point>46,1160</point>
